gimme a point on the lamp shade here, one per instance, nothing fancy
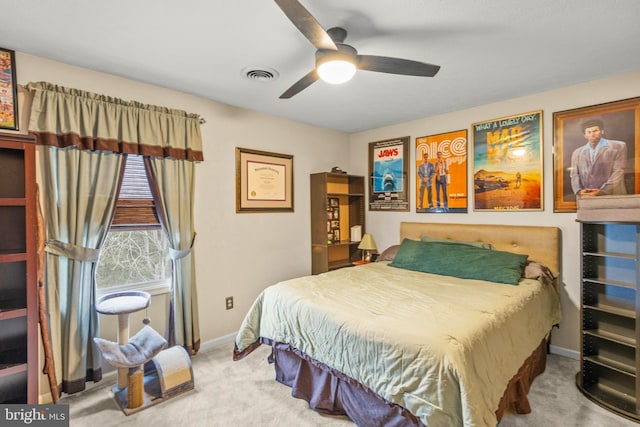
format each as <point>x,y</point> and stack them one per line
<point>368,243</point>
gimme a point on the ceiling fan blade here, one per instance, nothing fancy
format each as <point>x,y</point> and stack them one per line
<point>301,84</point>
<point>307,24</point>
<point>385,64</point>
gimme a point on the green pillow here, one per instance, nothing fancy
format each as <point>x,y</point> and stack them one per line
<point>460,260</point>
<point>483,245</point>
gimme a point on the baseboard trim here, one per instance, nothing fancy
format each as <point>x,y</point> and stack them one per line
<point>561,351</point>
<point>218,342</point>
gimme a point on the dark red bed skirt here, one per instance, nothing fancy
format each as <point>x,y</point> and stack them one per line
<point>331,392</point>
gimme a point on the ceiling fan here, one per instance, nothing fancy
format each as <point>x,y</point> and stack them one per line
<point>334,58</point>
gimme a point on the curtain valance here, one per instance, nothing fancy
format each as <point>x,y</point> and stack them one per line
<point>63,117</point>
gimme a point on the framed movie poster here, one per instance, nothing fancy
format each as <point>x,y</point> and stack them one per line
<point>388,175</point>
<point>596,152</point>
<point>441,172</point>
<point>8,90</point>
<point>507,163</point>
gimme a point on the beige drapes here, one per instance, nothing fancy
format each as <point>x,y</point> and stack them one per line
<point>174,181</point>
<point>63,117</point>
<point>81,137</point>
<point>79,190</point>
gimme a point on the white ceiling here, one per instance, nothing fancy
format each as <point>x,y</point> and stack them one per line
<point>488,50</point>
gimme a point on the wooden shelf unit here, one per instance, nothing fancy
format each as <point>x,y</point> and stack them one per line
<point>610,354</point>
<point>348,190</point>
<point>18,282</point>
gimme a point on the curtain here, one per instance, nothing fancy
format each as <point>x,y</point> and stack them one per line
<point>81,137</point>
<point>63,117</point>
<point>79,190</point>
<point>173,187</point>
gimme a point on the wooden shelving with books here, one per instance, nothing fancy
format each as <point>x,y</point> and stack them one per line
<point>337,204</point>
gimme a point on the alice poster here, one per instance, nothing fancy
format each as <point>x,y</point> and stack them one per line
<point>388,184</point>
<point>441,172</point>
<point>507,163</point>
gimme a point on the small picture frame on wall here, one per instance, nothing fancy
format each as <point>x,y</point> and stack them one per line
<point>618,158</point>
<point>8,90</point>
<point>264,181</point>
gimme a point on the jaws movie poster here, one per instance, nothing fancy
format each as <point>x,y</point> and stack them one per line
<point>388,184</point>
<point>507,162</point>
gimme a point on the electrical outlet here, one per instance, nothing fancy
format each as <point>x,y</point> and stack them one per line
<point>229,302</point>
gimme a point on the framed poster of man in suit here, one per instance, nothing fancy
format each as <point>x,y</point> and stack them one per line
<point>596,152</point>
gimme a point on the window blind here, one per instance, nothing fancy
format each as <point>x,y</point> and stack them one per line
<point>135,208</point>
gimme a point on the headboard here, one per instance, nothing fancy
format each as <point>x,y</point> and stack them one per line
<point>542,244</point>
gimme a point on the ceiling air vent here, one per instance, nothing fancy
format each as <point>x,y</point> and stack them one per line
<point>260,74</point>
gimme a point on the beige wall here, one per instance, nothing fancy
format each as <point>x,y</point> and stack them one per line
<point>384,225</point>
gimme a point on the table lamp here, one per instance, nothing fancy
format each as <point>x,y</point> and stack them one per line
<point>367,245</point>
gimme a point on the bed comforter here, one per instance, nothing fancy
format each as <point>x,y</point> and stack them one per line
<point>444,348</point>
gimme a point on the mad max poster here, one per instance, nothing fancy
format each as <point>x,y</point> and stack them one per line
<point>507,161</point>
<point>447,194</point>
<point>388,184</point>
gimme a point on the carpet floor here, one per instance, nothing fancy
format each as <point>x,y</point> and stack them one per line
<point>244,393</point>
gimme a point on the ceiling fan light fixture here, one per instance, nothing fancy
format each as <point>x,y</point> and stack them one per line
<point>336,67</point>
<point>336,72</point>
<point>330,47</point>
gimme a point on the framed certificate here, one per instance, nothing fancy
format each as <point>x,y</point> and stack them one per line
<point>264,181</point>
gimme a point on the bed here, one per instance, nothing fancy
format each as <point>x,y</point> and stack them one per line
<point>392,343</point>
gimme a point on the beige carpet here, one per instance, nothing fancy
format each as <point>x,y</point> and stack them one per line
<point>244,393</point>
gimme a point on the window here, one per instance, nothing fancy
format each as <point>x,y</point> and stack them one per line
<point>135,253</point>
<point>135,207</point>
<point>136,257</point>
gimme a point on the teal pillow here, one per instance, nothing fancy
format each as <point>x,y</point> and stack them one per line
<point>460,260</point>
<point>483,245</point>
